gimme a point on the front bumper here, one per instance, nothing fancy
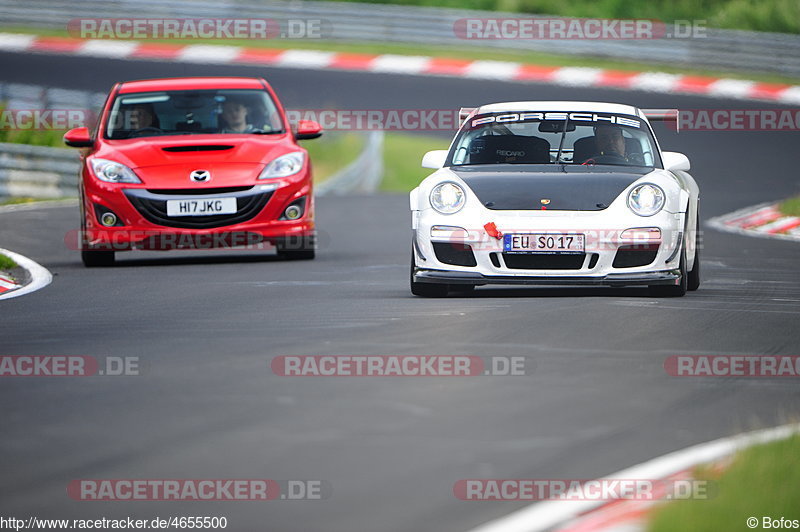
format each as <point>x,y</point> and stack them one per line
<point>145,224</point>
<point>670,277</point>
<point>475,256</point>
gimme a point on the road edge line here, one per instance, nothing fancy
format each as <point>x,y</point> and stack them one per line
<point>544,516</point>
<point>40,276</point>
<point>720,223</point>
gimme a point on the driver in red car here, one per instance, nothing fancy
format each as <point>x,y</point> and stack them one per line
<point>234,117</point>
<point>142,116</point>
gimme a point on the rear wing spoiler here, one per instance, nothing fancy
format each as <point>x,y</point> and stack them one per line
<point>663,115</point>
<point>653,115</point>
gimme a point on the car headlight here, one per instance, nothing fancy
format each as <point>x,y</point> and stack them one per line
<point>113,172</point>
<point>447,198</point>
<point>646,199</point>
<point>284,166</point>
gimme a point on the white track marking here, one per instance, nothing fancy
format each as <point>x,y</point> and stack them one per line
<point>546,515</point>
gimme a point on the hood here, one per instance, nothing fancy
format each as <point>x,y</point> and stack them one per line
<point>221,175</point>
<point>523,187</point>
<point>194,150</point>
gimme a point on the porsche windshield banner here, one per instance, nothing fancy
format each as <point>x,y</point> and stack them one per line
<point>594,118</point>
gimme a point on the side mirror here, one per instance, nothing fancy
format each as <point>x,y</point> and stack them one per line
<point>675,161</point>
<point>78,138</point>
<point>308,129</point>
<point>434,159</point>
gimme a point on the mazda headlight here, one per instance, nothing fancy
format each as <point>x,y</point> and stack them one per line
<point>284,166</point>
<point>113,172</point>
<point>646,199</point>
<point>447,198</point>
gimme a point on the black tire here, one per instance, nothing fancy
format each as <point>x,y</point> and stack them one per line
<point>694,274</point>
<point>426,289</point>
<point>292,249</point>
<point>306,254</point>
<point>97,259</point>
<point>678,290</point>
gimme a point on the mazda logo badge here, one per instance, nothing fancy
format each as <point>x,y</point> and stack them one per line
<point>200,175</point>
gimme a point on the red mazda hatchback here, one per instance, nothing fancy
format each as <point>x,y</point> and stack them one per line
<point>194,163</point>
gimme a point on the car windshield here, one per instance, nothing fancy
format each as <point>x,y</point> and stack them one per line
<point>228,111</point>
<point>555,138</point>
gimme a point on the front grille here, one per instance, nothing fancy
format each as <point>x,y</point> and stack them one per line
<point>636,255</point>
<point>153,206</point>
<point>544,261</point>
<point>455,254</point>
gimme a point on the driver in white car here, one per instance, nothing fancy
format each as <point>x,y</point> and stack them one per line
<point>610,141</point>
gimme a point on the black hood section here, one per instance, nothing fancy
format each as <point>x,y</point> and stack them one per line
<point>524,187</point>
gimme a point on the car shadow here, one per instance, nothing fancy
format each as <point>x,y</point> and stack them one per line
<point>555,291</point>
<point>124,262</point>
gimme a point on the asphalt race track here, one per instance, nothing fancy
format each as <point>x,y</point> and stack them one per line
<point>205,326</point>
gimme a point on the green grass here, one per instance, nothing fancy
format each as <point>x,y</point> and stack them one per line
<point>16,201</point>
<point>761,481</point>
<point>6,263</point>
<point>759,15</point>
<point>332,152</point>
<point>402,156</point>
<point>468,53</point>
<point>790,207</point>
<point>52,138</point>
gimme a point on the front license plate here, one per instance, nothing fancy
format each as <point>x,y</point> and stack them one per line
<point>201,206</point>
<point>543,243</point>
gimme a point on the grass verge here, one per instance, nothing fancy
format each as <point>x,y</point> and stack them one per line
<point>402,155</point>
<point>454,52</point>
<point>51,138</point>
<point>761,481</point>
<point>790,207</point>
<point>332,152</point>
<point>17,201</point>
<point>6,263</point>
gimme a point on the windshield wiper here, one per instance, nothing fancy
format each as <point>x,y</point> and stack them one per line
<point>561,142</point>
<point>263,132</point>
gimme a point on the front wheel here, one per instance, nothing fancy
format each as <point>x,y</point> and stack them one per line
<point>97,259</point>
<point>306,254</point>
<point>694,274</point>
<point>297,248</point>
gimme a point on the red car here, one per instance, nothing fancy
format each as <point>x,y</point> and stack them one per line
<point>194,163</point>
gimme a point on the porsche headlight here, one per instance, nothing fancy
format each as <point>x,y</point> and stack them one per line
<point>284,166</point>
<point>447,198</point>
<point>646,199</point>
<point>113,172</point>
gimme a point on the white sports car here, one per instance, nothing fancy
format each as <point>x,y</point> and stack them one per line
<point>557,193</point>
